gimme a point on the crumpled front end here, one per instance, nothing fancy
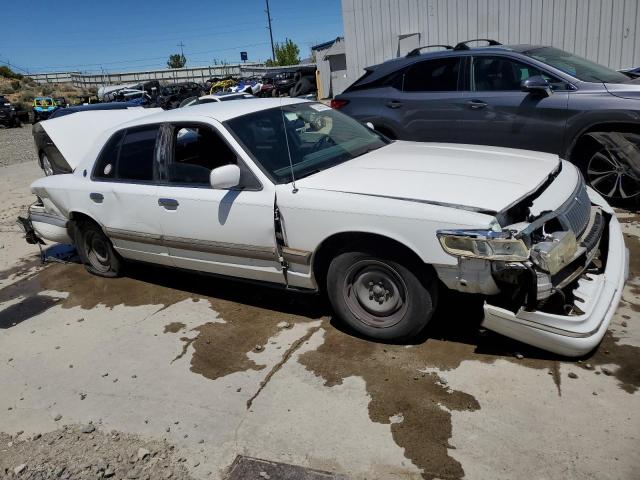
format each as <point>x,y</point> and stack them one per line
<point>553,267</point>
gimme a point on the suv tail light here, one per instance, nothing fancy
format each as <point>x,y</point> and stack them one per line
<point>338,104</point>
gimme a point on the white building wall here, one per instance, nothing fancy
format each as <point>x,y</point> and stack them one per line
<point>605,31</point>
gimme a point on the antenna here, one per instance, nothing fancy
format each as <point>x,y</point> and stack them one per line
<point>286,137</point>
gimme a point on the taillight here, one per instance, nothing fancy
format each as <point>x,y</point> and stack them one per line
<point>338,104</point>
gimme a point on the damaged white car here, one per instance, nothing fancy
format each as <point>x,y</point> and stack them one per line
<point>294,193</point>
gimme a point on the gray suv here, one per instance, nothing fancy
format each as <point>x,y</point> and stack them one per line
<point>520,96</point>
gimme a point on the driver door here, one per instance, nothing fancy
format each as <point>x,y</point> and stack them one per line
<point>227,232</point>
<point>494,110</point>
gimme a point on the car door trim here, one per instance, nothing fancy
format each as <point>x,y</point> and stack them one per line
<point>293,255</point>
<point>221,248</point>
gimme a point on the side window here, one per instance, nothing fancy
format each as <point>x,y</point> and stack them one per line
<point>197,151</point>
<point>105,167</point>
<point>137,153</point>
<point>440,75</point>
<point>505,74</point>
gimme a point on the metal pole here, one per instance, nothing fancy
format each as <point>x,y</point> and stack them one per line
<point>273,50</point>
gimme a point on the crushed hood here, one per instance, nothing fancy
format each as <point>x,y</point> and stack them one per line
<point>74,135</point>
<point>464,176</point>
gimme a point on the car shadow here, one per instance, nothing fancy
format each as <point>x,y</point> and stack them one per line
<point>457,319</point>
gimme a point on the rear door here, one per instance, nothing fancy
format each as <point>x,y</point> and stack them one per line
<point>228,232</point>
<point>425,104</point>
<point>494,110</point>
<point>123,196</point>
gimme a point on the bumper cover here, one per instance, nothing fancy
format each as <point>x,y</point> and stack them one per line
<point>40,226</point>
<point>571,335</point>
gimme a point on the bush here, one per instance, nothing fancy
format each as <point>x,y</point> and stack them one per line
<point>8,73</point>
<point>15,84</point>
<point>28,96</point>
<point>47,89</point>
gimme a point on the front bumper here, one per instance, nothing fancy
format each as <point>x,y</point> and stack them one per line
<point>571,335</point>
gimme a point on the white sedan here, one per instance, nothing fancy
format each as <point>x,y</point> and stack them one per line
<point>294,193</point>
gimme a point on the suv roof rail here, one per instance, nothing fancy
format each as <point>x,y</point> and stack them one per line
<point>416,51</point>
<point>464,46</point>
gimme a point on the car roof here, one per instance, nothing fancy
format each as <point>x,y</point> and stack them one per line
<point>391,66</point>
<point>220,111</point>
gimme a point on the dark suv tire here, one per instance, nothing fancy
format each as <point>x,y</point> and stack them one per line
<point>381,297</point>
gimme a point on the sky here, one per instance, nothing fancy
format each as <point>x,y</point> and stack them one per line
<point>117,36</point>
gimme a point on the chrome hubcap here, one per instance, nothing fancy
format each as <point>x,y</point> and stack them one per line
<point>611,178</point>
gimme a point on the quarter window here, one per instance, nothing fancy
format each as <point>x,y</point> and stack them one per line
<point>106,165</point>
<point>440,75</point>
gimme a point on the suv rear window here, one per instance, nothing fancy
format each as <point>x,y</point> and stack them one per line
<point>438,75</point>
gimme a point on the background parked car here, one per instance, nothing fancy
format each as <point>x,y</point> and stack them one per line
<point>43,107</point>
<point>521,96</point>
<point>8,114</point>
<point>220,97</point>
<point>172,95</point>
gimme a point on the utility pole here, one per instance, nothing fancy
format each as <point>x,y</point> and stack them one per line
<point>273,50</point>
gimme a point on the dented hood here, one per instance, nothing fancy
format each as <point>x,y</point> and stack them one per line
<point>463,176</point>
<point>74,135</point>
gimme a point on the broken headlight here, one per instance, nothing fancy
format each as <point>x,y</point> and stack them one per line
<point>556,252</point>
<point>492,244</point>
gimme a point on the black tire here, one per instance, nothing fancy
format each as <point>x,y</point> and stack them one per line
<point>381,298</point>
<point>32,118</point>
<point>615,181</point>
<point>96,251</point>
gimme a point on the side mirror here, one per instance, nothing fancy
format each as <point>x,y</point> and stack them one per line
<point>537,85</point>
<point>227,176</point>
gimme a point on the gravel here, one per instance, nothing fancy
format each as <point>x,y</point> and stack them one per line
<point>16,146</point>
<point>81,452</point>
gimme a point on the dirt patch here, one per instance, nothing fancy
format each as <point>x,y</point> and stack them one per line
<point>174,327</point>
<point>22,266</point>
<point>80,452</point>
<point>221,349</point>
<point>633,244</point>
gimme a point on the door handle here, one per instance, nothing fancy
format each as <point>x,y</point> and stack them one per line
<point>168,203</point>
<point>476,104</point>
<point>394,104</point>
<point>96,197</point>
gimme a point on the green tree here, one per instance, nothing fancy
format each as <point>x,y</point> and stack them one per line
<point>287,53</point>
<point>177,60</point>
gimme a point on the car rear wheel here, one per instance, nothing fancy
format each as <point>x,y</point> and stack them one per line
<point>380,297</point>
<point>96,251</point>
<point>611,178</point>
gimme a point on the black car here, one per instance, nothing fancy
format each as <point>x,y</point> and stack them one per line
<point>172,95</point>
<point>521,96</point>
<point>8,115</point>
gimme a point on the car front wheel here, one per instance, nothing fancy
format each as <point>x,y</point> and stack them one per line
<point>380,297</point>
<point>96,251</point>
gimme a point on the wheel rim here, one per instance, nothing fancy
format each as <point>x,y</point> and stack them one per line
<point>97,251</point>
<point>375,293</point>
<point>612,178</point>
<point>46,166</point>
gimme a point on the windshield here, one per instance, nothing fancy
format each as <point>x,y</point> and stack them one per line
<point>317,137</point>
<point>577,67</point>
